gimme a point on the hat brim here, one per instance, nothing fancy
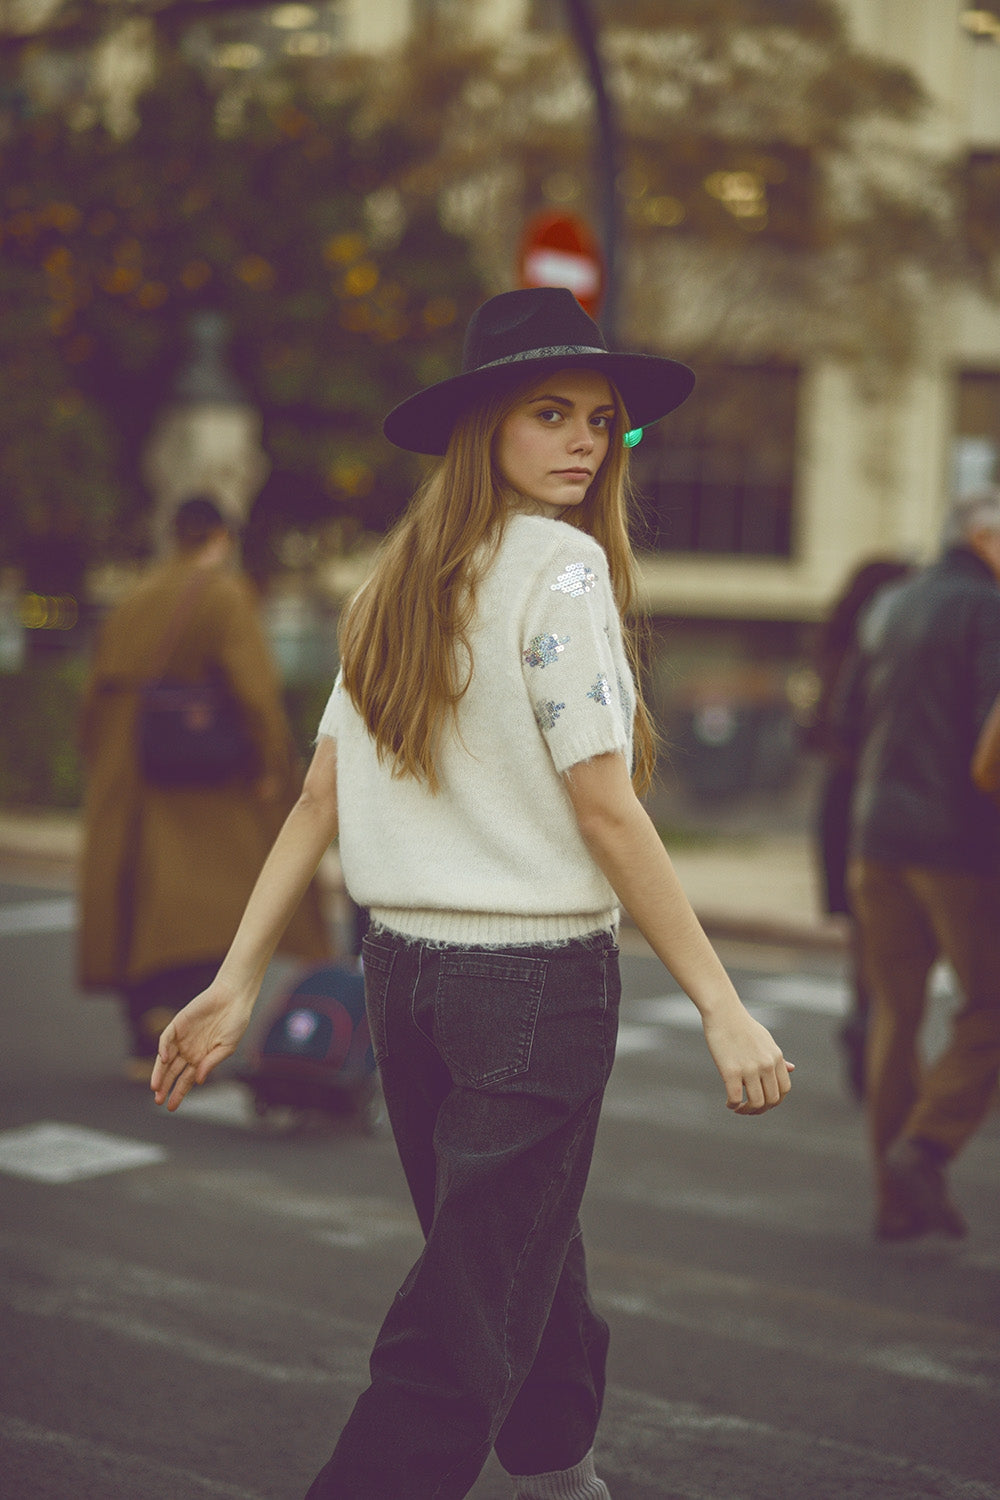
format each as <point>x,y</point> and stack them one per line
<point>649,385</point>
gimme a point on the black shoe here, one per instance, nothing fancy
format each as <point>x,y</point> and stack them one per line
<point>916,1199</point>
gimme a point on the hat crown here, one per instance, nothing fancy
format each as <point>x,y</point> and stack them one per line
<point>520,325</point>
<point>515,334</point>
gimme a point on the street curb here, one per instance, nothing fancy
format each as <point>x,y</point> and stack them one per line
<point>44,848</point>
<point>730,927</point>
<point>17,866</point>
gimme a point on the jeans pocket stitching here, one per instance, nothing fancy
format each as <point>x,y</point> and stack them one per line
<point>378,962</point>
<point>506,968</point>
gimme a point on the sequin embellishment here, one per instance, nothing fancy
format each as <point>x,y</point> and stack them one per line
<point>601,691</point>
<point>547,713</point>
<point>625,696</point>
<point>578,579</point>
<point>543,650</point>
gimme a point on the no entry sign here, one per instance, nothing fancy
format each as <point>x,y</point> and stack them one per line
<point>560,250</point>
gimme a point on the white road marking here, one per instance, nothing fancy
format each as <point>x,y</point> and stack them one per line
<point>57,914</point>
<point>720,1314</point>
<point>226,1103</point>
<point>808,992</point>
<point>352,1221</point>
<point>122,1473</point>
<point>636,1427</point>
<point>637,1039</point>
<point>73,1277</point>
<point>642,1029</point>
<point>57,1153</point>
<point>149,1308</point>
<point>667,1010</point>
<point>679,1447</point>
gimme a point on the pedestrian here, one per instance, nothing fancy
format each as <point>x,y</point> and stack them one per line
<point>832,734</point>
<point>475,754</point>
<point>925,872</point>
<point>986,756</point>
<point>167,870</point>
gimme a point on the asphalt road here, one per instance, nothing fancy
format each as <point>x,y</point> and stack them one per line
<point>186,1303</point>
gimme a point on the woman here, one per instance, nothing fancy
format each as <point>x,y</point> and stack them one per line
<point>475,757</point>
<point>166,871</point>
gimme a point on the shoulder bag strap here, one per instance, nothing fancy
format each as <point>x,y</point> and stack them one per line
<point>175,627</point>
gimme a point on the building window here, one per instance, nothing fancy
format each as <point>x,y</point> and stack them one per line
<point>717,476</point>
<point>982,208</point>
<point>976,447</point>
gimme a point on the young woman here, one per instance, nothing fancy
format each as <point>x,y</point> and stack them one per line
<point>476,759</point>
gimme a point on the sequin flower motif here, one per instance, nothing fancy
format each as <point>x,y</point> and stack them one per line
<point>578,579</point>
<point>543,650</point>
<point>601,691</point>
<point>547,713</point>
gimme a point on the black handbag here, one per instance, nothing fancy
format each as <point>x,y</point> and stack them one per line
<point>190,734</point>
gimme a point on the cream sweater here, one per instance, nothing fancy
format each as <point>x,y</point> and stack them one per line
<point>495,857</point>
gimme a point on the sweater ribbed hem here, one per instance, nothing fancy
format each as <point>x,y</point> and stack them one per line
<point>579,1483</point>
<point>485,929</point>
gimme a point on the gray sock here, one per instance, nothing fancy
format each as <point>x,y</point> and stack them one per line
<point>578,1483</point>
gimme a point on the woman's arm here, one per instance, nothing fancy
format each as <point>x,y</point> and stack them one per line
<point>986,756</point>
<point>209,1029</point>
<point>625,844</point>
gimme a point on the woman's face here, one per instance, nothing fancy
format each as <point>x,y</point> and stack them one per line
<point>552,444</point>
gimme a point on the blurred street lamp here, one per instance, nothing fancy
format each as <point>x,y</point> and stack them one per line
<point>207,440</point>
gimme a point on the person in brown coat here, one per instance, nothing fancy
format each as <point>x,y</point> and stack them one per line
<point>166,872</point>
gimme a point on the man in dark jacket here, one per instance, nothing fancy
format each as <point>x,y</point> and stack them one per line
<point>925,877</point>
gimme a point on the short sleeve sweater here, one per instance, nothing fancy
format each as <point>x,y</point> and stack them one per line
<point>495,856</point>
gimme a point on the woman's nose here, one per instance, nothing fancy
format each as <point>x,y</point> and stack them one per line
<point>582,438</point>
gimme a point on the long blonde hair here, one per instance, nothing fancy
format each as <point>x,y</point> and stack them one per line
<point>404,638</point>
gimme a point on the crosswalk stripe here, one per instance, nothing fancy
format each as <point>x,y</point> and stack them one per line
<point>55,915</point>
<point>50,1151</point>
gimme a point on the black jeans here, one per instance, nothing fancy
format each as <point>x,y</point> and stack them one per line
<point>494,1064</point>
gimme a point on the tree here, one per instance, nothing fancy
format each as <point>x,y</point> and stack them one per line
<point>265,205</point>
<point>777,201</point>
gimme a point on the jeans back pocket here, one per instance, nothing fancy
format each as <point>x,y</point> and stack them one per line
<point>485,1013</point>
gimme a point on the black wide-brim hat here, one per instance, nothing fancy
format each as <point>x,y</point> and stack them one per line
<point>515,335</point>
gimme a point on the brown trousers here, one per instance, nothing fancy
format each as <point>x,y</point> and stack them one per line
<point>909,917</point>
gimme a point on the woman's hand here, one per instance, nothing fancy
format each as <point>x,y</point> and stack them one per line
<point>208,1030</point>
<point>203,1034</point>
<point>749,1060</point>
<point>627,847</point>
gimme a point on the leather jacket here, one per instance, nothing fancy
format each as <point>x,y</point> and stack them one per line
<point>930,676</point>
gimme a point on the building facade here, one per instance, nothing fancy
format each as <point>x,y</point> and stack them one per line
<point>781,476</point>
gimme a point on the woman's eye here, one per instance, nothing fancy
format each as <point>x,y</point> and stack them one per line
<point>602,423</point>
<point>551,417</point>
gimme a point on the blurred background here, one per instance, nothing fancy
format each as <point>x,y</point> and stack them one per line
<point>233,235</point>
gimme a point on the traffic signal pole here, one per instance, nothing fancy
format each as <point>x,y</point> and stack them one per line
<point>607,152</point>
